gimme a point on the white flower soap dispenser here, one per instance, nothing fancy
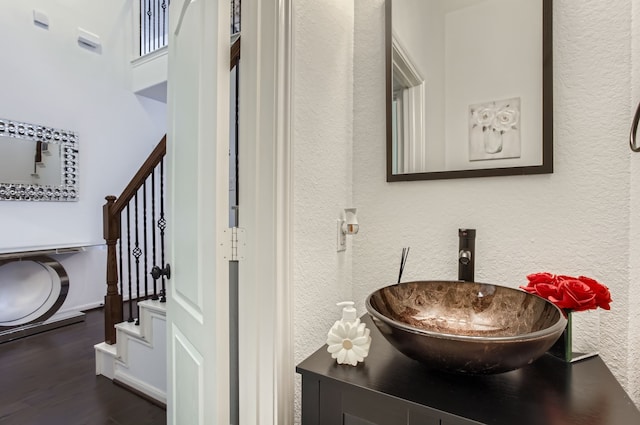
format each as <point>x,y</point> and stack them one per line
<point>348,339</point>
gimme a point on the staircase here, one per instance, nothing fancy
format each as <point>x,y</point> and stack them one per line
<point>134,351</point>
<point>138,359</point>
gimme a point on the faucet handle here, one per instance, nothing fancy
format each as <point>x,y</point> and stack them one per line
<point>464,256</point>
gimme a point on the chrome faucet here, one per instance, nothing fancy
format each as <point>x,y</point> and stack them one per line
<point>466,254</point>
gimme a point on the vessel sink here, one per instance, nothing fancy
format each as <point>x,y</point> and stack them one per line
<point>466,327</point>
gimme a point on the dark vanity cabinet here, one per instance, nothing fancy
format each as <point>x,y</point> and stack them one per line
<point>326,402</point>
<point>391,389</point>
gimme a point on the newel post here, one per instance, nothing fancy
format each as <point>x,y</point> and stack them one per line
<point>113,300</point>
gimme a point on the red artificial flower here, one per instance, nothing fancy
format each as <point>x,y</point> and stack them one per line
<point>603,296</point>
<point>545,290</point>
<point>543,284</point>
<point>575,295</point>
<point>541,278</point>
<point>568,292</point>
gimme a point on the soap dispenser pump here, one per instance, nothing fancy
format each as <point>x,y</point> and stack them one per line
<point>348,339</point>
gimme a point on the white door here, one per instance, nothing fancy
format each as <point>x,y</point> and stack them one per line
<point>197,151</point>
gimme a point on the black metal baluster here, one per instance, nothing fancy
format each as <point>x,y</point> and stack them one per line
<point>153,232</point>
<point>164,23</point>
<point>145,233</point>
<point>162,224</point>
<point>148,29</point>
<point>143,18</point>
<point>137,252</point>
<point>141,28</point>
<point>130,319</point>
<point>155,24</point>
<point>161,28</point>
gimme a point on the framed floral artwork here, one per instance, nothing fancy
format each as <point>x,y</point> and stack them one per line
<point>494,130</point>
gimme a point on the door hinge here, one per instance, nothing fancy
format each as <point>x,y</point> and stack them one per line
<point>233,246</point>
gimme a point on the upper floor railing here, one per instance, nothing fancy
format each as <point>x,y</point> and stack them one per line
<point>235,16</point>
<point>154,25</point>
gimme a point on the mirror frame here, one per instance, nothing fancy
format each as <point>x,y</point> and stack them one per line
<point>67,190</point>
<point>547,112</point>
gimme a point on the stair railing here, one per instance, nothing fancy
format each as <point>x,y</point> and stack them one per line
<point>136,218</point>
<point>153,25</point>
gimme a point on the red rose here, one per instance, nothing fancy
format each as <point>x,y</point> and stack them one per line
<point>575,295</point>
<point>561,277</point>
<point>541,278</point>
<point>603,296</point>
<point>568,292</point>
<point>546,290</point>
<point>542,284</point>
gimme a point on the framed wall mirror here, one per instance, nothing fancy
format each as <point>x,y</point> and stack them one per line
<point>37,163</point>
<point>469,88</point>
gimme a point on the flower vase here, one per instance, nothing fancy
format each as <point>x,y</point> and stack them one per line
<point>564,346</point>
<point>492,141</point>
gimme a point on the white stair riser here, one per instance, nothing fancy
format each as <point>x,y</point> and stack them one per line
<point>104,360</point>
<point>138,359</point>
<point>146,362</point>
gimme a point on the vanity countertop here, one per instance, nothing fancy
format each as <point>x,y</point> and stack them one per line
<point>548,392</point>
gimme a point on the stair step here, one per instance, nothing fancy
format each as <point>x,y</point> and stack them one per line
<point>105,357</point>
<point>130,328</point>
<point>138,360</point>
<point>106,348</point>
<point>154,305</point>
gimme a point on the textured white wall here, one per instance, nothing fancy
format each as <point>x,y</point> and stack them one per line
<point>322,128</point>
<point>575,221</point>
<point>634,234</point>
<point>47,78</point>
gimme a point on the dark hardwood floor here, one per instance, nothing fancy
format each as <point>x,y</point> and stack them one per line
<point>49,379</point>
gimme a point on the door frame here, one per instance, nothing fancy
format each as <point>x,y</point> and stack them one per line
<point>266,212</point>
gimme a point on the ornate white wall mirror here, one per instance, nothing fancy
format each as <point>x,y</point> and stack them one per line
<point>469,88</point>
<point>37,163</point>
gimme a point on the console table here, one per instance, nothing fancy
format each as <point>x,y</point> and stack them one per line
<point>31,307</point>
<point>391,389</point>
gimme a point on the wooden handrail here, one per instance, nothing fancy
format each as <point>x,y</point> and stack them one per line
<point>138,180</point>
<point>235,53</point>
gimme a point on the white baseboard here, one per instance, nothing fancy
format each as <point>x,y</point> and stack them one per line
<point>83,307</point>
<point>138,385</point>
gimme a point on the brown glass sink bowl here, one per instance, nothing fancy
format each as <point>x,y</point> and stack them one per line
<point>466,327</point>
